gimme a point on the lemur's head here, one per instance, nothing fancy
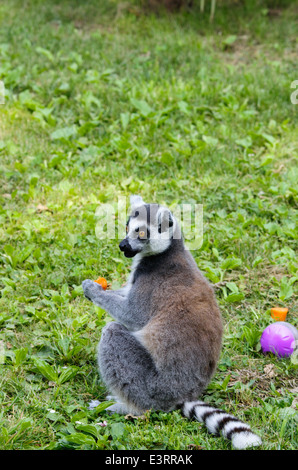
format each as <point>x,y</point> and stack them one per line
<point>150,229</point>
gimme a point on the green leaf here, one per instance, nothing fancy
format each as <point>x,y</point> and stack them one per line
<point>266,160</point>
<point>67,374</point>
<point>167,158</point>
<point>183,106</point>
<point>79,416</point>
<point>142,106</point>
<point>65,186</point>
<point>251,334</point>
<point>55,160</point>
<point>257,261</point>
<point>118,430</point>
<point>212,141</point>
<point>54,416</point>
<point>126,182</point>
<point>229,40</point>
<point>26,98</point>
<point>46,370</point>
<point>125,118</point>
<point>26,423</point>
<point>89,429</point>
<point>64,133</point>
<point>195,244</point>
<point>8,282</point>
<point>225,382</point>
<point>245,142</point>
<point>2,145</point>
<point>233,287</point>
<point>9,250</point>
<point>272,228</point>
<point>79,439</point>
<point>102,406</point>
<point>65,290</point>
<point>294,356</point>
<point>25,253</point>
<point>215,253</point>
<point>286,289</point>
<point>45,52</point>
<point>20,356</point>
<point>268,137</point>
<point>212,274</point>
<point>231,263</point>
<point>288,412</point>
<point>231,298</point>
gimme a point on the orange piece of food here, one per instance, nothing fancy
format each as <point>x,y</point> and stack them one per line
<point>278,313</point>
<point>102,282</point>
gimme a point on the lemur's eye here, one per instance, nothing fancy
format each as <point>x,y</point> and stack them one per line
<point>137,229</point>
<point>142,234</point>
<point>126,228</point>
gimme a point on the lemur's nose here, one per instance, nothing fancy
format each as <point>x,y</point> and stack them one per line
<point>124,244</point>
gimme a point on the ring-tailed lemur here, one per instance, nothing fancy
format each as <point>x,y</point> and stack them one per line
<point>162,350</point>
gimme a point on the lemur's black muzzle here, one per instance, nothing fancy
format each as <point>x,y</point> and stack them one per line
<point>125,246</point>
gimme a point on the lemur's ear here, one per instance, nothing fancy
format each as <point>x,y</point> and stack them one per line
<point>164,219</point>
<point>136,201</point>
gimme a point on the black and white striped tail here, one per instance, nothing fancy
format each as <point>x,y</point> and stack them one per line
<point>219,422</point>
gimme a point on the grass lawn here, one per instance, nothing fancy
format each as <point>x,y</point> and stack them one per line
<point>103,101</point>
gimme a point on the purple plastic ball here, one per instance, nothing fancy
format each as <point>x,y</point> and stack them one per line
<point>279,338</point>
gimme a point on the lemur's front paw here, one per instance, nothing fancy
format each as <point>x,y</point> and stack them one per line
<point>91,289</point>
